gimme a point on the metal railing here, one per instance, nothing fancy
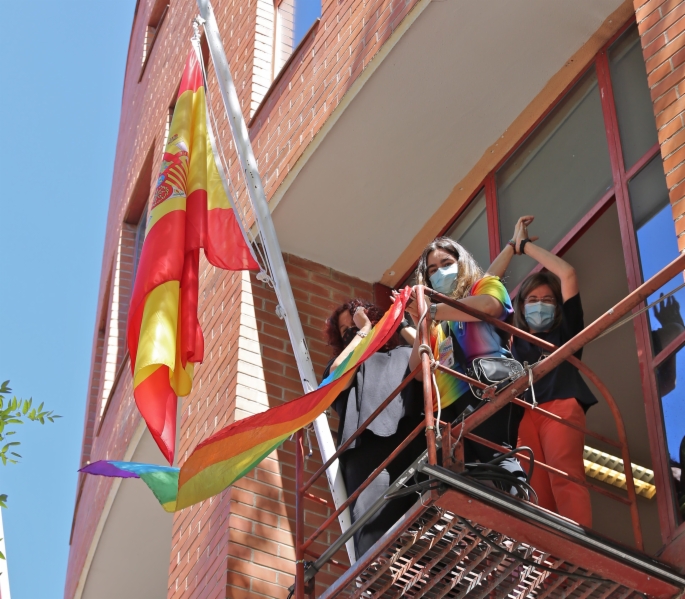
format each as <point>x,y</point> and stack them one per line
<point>452,438</point>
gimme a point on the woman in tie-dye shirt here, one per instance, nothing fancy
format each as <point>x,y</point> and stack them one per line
<point>450,269</point>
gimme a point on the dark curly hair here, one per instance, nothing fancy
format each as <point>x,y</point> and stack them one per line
<point>331,329</point>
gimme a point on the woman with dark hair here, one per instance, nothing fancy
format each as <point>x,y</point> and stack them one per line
<point>449,268</point>
<point>548,306</point>
<point>373,382</point>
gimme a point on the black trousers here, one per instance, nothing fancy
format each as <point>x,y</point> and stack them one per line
<point>501,428</point>
<point>358,463</point>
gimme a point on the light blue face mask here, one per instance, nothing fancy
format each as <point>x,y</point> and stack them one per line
<point>444,279</point>
<point>539,316</point>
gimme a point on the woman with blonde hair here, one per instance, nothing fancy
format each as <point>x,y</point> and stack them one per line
<point>459,339</point>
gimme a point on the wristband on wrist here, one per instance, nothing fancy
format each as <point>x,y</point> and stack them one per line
<point>403,325</point>
<point>433,311</point>
<point>362,334</point>
<point>522,245</point>
<point>512,243</point>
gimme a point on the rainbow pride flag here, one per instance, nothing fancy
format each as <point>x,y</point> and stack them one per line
<point>232,452</point>
<point>189,210</point>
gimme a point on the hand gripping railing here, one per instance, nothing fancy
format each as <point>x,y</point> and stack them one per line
<point>304,582</point>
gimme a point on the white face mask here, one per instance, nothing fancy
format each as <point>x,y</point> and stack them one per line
<point>444,280</point>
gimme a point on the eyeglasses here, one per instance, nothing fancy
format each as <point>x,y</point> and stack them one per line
<point>547,299</point>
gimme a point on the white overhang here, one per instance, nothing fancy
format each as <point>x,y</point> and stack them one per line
<point>132,552</point>
<point>453,83</point>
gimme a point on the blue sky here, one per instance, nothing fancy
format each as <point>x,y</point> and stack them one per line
<point>63,65</point>
<point>62,70</point>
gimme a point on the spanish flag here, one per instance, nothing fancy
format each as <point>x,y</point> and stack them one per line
<point>189,211</point>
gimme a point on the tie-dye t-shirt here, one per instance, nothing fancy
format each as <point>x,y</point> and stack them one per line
<point>476,339</point>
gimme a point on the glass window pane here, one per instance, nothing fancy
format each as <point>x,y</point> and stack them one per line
<point>631,94</point>
<point>672,392</point>
<point>471,231</point>
<point>657,245</point>
<point>558,174</point>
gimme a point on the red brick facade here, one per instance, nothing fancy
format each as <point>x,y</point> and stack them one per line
<point>662,29</point>
<point>240,543</point>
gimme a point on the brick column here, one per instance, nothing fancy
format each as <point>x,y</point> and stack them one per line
<point>661,24</point>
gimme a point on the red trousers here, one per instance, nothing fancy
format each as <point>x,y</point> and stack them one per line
<point>562,448</point>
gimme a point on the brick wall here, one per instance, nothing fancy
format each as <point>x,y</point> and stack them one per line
<point>662,30</point>
<point>247,364</point>
<point>240,543</point>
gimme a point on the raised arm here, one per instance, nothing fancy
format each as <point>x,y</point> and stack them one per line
<point>554,264</point>
<point>501,263</point>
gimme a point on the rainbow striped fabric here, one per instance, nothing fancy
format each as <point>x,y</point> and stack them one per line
<point>189,210</point>
<point>232,452</point>
<point>477,340</point>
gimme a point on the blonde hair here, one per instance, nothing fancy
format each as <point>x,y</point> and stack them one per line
<point>469,271</point>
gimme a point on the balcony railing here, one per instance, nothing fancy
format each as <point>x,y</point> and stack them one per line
<point>466,555</point>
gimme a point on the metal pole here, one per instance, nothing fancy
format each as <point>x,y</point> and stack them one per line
<point>299,518</point>
<point>288,308</point>
<point>424,339</point>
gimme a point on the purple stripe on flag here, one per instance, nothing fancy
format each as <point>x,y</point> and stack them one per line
<point>106,468</point>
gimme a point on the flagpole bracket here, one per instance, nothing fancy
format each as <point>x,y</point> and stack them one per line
<point>197,22</point>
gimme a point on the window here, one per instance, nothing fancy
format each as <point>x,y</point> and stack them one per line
<point>157,14</point>
<point>616,227</point>
<point>292,20</point>
<point>634,107</point>
<point>558,174</point>
<point>671,393</point>
<point>471,231</point>
<point>167,124</point>
<point>140,238</point>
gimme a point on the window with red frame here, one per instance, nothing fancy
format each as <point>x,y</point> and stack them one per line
<point>593,157</point>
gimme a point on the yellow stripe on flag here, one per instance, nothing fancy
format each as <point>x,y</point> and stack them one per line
<point>157,344</point>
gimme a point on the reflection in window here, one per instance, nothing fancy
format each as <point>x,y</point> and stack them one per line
<point>471,231</point>
<point>658,246</point>
<point>558,174</point>
<point>631,94</point>
<point>673,405</point>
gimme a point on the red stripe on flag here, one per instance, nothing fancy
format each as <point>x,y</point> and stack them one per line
<point>226,247</point>
<point>192,340</point>
<point>162,257</point>
<point>156,402</point>
<point>192,75</point>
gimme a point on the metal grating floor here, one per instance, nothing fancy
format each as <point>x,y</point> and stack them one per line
<point>440,556</point>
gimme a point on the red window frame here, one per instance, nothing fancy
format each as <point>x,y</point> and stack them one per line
<point>618,194</point>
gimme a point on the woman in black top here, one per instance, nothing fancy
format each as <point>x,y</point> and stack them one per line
<point>374,381</point>
<point>548,306</point>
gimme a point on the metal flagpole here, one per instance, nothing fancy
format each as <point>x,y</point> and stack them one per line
<point>286,300</point>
